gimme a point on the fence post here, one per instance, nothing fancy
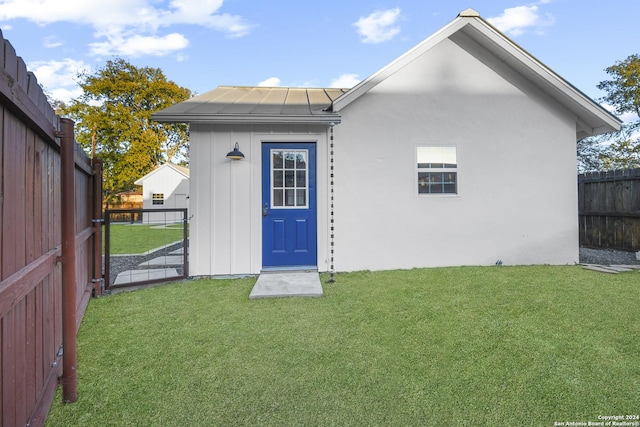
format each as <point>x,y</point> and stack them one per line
<point>97,226</point>
<point>69,325</point>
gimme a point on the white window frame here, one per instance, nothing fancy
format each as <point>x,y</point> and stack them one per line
<point>158,199</point>
<point>306,188</point>
<point>437,170</point>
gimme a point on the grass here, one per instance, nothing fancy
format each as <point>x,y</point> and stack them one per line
<point>485,346</point>
<point>139,238</point>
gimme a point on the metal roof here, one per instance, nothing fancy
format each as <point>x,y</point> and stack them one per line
<point>241,104</point>
<point>236,104</point>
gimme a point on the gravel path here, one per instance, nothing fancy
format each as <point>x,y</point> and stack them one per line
<point>120,263</point>
<point>607,257</point>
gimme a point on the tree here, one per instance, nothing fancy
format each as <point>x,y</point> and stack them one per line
<point>623,90</point>
<point>590,152</point>
<point>113,122</point>
<point>623,152</point>
<point>616,150</point>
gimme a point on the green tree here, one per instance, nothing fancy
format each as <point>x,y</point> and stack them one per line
<point>617,150</point>
<point>591,151</point>
<point>113,122</point>
<point>623,151</point>
<point>623,90</point>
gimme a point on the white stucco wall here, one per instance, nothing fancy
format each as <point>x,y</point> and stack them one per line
<point>517,192</point>
<point>225,195</point>
<point>517,196</point>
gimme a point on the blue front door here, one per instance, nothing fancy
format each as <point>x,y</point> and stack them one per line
<point>289,231</point>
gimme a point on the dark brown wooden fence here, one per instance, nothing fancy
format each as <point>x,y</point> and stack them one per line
<point>609,209</point>
<point>37,272</point>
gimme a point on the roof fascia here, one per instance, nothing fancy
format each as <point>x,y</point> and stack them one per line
<point>513,52</point>
<point>173,167</point>
<point>140,181</point>
<point>327,118</point>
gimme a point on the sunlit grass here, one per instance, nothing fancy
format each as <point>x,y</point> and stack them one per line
<point>140,238</point>
<point>490,346</point>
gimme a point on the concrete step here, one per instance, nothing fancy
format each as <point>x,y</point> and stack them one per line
<point>277,284</point>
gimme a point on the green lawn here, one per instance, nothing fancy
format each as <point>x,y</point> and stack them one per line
<point>139,238</point>
<point>472,346</point>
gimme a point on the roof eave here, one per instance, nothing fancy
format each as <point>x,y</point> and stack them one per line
<point>374,79</point>
<point>586,109</point>
<point>141,180</point>
<point>248,119</point>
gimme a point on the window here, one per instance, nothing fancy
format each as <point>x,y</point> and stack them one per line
<point>157,198</point>
<point>437,170</point>
<point>289,181</point>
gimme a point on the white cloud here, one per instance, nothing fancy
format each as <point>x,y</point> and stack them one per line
<point>270,82</point>
<point>379,26</point>
<point>52,41</point>
<point>517,20</point>
<point>138,45</point>
<point>65,94</point>
<point>345,81</point>
<point>116,14</point>
<point>59,78</point>
<point>629,117</point>
<point>121,25</point>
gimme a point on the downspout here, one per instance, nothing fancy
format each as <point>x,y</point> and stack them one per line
<point>331,207</point>
<point>69,325</point>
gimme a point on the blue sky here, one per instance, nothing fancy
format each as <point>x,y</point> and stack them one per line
<point>200,44</point>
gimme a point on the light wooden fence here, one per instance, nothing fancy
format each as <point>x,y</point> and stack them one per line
<point>609,209</point>
<point>39,277</point>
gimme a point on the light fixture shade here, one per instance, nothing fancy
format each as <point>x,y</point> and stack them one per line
<point>236,154</point>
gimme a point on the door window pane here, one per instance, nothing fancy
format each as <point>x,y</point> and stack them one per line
<point>289,197</point>
<point>301,197</point>
<point>278,179</point>
<point>277,159</point>
<point>277,198</point>
<point>301,160</point>
<point>289,179</point>
<point>301,179</point>
<point>289,175</point>
<point>289,158</point>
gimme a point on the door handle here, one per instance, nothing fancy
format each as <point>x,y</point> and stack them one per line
<point>265,210</point>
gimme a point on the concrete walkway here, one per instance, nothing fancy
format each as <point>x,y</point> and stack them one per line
<point>287,284</point>
<point>164,260</point>
<point>131,276</point>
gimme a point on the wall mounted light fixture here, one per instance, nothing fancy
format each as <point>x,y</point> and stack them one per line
<point>235,154</point>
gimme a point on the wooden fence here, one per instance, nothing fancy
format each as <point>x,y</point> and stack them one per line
<point>50,249</point>
<point>609,209</point>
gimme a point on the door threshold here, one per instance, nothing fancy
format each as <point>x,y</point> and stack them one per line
<point>289,268</point>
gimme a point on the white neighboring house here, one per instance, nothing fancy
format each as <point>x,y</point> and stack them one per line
<point>166,187</point>
<point>460,152</point>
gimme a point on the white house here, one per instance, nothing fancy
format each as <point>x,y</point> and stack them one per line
<point>165,187</point>
<point>460,152</point>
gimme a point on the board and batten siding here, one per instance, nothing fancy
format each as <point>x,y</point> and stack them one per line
<point>517,195</point>
<point>225,195</point>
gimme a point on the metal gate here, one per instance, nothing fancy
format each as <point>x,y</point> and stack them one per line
<point>145,246</point>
